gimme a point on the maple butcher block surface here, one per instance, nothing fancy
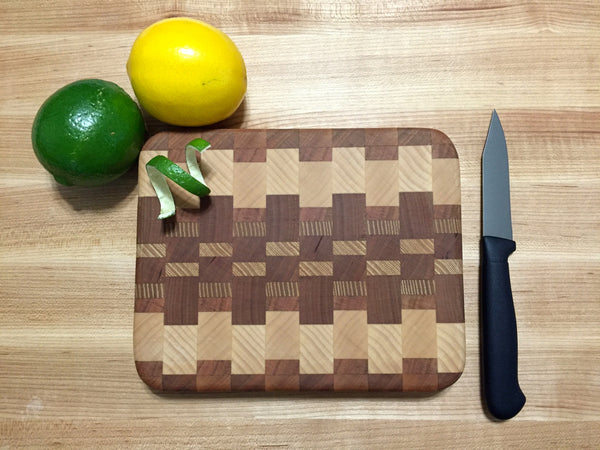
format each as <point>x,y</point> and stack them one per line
<point>323,260</point>
<point>67,254</point>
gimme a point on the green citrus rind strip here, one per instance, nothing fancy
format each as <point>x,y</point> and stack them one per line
<point>160,168</point>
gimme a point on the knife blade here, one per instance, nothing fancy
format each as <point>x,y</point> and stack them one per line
<point>502,393</point>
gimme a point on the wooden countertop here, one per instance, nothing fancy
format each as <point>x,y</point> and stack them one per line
<point>67,255</point>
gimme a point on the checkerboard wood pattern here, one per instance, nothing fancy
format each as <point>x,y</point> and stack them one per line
<point>323,260</point>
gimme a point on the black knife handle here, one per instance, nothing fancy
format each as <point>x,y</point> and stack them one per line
<point>503,395</point>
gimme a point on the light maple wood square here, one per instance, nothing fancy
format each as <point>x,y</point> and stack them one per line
<point>148,336</point>
<point>249,185</point>
<point>350,334</point>
<point>414,163</point>
<point>214,335</point>
<point>248,349</point>
<point>385,348</point>
<point>348,170</point>
<point>451,347</point>
<point>316,349</point>
<point>382,183</point>
<point>446,181</point>
<point>217,169</point>
<point>419,333</point>
<point>282,335</point>
<point>317,184</point>
<point>283,168</point>
<point>179,354</point>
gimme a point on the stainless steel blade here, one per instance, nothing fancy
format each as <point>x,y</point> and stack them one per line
<point>496,186</point>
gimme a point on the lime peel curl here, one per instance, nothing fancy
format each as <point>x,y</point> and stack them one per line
<point>160,168</point>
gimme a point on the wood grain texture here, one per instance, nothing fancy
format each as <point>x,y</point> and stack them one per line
<point>382,266</point>
<point>66,255</point>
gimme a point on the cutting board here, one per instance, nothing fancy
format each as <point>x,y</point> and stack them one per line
<point>323,260</point>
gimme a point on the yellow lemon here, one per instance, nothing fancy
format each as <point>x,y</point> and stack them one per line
<point>186,72</point>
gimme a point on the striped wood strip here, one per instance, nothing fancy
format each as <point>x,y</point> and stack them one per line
<point>249,229</point>
<point>349,247</point>
<point>349,288</point>
<point>316,228</point>
<point>384,267</point>
<point>249,269</point>
<point>383,227</point>
<point>447,226</point>
<point>151,250</point>
<point>183,230</point>
<point>282,289</point>
<point>417,246</point>
<point>316,268</point>
<point>283,248</point>
<point>181,269</point>
<point>214,290</point>
<point>448,266</point>
<point>149,290</point>
<point>222,249</point>
<point>417,287</point>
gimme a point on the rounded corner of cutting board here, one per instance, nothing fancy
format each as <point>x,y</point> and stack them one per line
<point>147,371</point>
<point>439,137</point>
<point>446,380</point>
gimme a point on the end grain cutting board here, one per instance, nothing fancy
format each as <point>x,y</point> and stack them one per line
<point>323,260</point>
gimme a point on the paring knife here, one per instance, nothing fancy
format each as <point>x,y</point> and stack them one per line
<point>503,395</point>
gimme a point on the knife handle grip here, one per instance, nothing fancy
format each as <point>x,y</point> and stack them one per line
<point>503,395</point>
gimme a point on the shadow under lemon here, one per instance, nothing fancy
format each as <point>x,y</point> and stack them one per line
<point>236,120</point>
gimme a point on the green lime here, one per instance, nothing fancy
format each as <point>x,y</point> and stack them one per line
<point>88,133</point>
